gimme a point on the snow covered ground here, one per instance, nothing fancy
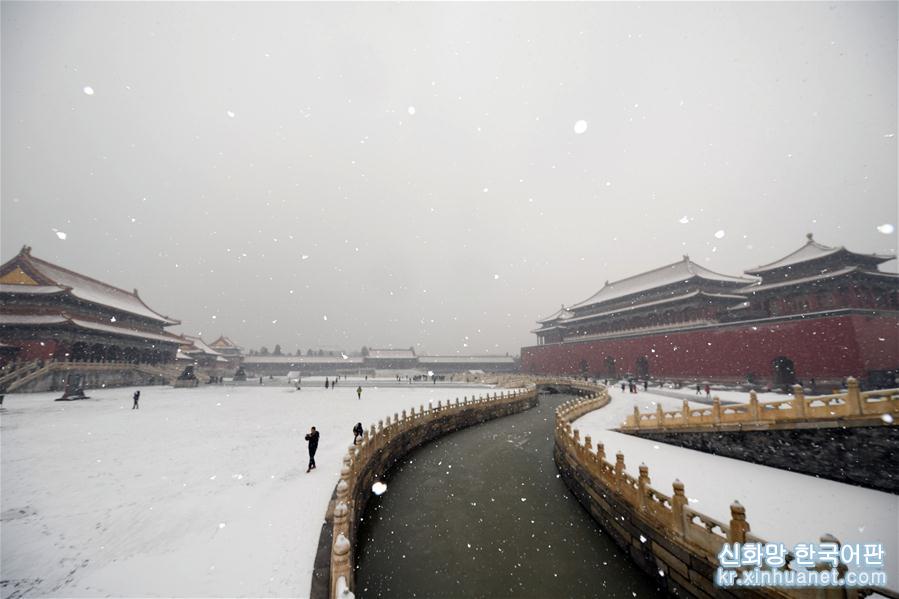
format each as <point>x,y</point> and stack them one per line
<point>201,492</point>
<point>780,506</point>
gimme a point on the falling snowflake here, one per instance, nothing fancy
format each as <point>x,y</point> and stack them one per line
<point>495,277</point>
<point>221,525</point>
<point>580,127</point>
<point>411,110</point>
<point>378,488</point>
<point>719,234</point>
<point>230,114</point>
<point>325,317</point>
<point>887,418</point>
<point>886,229</point>
<point>88,90</point>
<point>60,234</point>
<point>304,257</point>
<point>684,220</point>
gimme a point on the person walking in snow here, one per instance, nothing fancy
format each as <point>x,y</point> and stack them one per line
<point>357,432</point>
<point>327,383</point>
<point>708,391</point>
<point>697,389</point>
<point>136,397</point>
<point>359,391</point>
<point>312,438</point>
<point>622,386</point>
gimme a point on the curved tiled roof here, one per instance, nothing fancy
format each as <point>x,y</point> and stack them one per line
<point>812,250</point>
<point>680,271</point>
<point>88,289</point>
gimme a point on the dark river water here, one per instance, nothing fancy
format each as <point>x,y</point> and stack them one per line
<point>483,513</point>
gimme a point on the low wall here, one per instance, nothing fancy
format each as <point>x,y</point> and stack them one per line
<point>671,542</point>
<point>370,461</point>
<point>838,436</point>
<point>829,450</point>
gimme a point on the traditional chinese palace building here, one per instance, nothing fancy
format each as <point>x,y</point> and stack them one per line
<point>50,312</point>
<point>820,312</point>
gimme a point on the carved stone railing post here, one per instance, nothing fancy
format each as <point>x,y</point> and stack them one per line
<point>738,527</point>
<point>340,561</point>
<point>854,398</point>
<point>588,443</point>
<point>753,406</point>
<point>643,486</point>
<point>685,411</point>
<point>600,452</point>
<point>716,410</point>
<point>678,502</point>
<point>619,470</point>
<point>660,416</point>
<point>636,417</point>
<point>799,408</point>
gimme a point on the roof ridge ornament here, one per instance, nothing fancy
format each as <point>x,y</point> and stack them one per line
<point>809,236</point>
<point>686,257</point>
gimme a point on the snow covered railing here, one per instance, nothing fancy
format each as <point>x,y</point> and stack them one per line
<point>381,445</point>
<point>853,404</point>
<point>693,532</point>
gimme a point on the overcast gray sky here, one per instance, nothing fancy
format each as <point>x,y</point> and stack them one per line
<point>257,169</point>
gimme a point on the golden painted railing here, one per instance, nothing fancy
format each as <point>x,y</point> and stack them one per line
<point>852,404</point>
<point>692,530</point>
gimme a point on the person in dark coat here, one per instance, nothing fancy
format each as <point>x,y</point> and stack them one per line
<point>646,385</point>
<point>136,397</point>
<point>327,383</point>
<point>359,391</point>
<point>357,432</point>
<point>312,438</point>
<point>622,387</point>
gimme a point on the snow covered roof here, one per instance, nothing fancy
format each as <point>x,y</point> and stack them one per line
<point>680,271</point>
<point>198,345</point>
<point>466,360</point>
<point>107,328</point>
<point>223,342</point>
<point>812,250</point>
<point>31,289</point>
<point>301,360</point>
<point>820,277</point>
<point>385,354</point>
<point>31,319</point>
<point>82,287</point>
<point>560,314</point>
<point>667,300</point>
<point>64,319</point>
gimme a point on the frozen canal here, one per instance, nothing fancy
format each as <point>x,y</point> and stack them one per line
<point>202,492</point>
<point>482,513</point>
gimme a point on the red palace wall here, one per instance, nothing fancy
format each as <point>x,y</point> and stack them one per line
<point>34,350</point>
<point>824,348</point>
